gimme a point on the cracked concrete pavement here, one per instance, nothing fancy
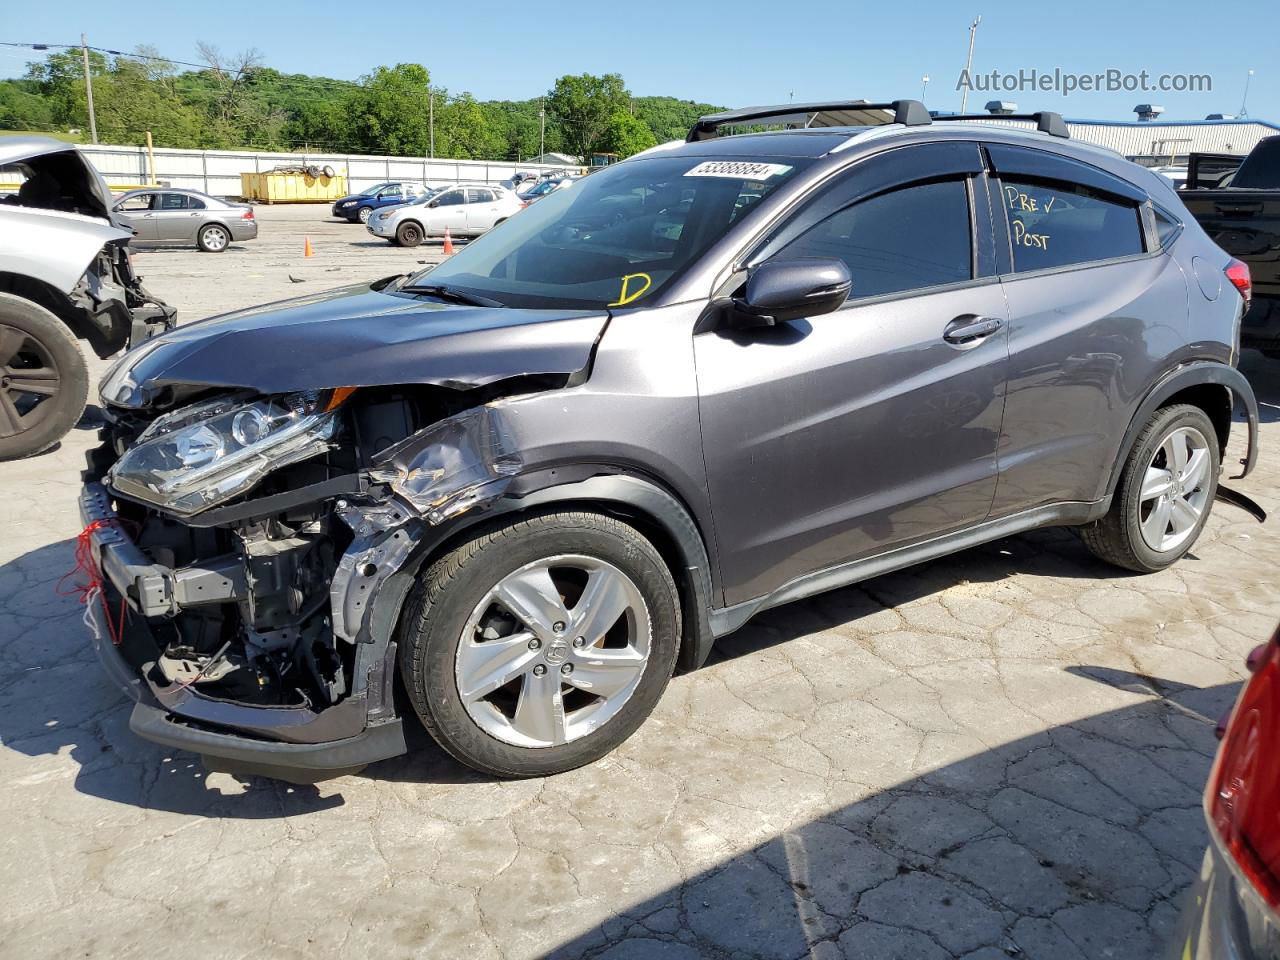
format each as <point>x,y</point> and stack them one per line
<point>997,754</point>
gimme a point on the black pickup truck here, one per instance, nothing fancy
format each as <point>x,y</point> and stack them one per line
<point>1237,201</point>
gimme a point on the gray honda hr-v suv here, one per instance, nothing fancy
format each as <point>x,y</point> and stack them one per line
<point>538,478</point>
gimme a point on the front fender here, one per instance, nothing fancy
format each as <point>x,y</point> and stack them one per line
<point>51,246</point>
<point>654,510</point>
<point>1195,374</point>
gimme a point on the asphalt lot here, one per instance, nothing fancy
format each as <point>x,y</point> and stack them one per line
<point>998,754</point>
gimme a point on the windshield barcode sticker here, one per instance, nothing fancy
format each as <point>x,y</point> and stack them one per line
<point>738,169</point>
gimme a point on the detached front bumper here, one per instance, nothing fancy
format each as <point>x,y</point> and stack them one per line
<point>265,739</point>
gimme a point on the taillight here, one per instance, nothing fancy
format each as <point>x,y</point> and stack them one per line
<point>247,215</point>
<point>1237,272</point>
<point>1243,796</point>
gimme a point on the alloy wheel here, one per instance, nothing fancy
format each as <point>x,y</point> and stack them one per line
<point>1175,490</point>
<point>215,238</point>
<point>364,214</point>
<point>553,651</point>
<point>29,381</point>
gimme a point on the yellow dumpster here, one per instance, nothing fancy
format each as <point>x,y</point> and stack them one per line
<point>291,188</point>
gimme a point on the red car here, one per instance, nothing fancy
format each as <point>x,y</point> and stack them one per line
<point>1233,910</point>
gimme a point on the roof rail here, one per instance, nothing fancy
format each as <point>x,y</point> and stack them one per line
<point>911,113</point>
<point>1046,121</point>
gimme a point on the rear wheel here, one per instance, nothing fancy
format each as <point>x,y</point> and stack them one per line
<point>409,234</point>
<point>214,238</point>
<point>542,644</point>
<point>44,380</point>
<point>1165,493</point>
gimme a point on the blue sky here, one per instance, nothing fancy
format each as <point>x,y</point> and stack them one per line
<point>735,54</point>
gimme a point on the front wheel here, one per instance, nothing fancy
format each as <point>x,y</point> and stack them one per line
<point>214,238</point>
<point>409,234</point>
<point>541,644</point>
<point>44,380</point>
<point>364,213</point>
<point>1165,493</point>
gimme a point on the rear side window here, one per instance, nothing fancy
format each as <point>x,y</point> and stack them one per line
<point>907,239</point>
<point>479,196</point>
<point>1166,227</point>
<point>1057,225</point>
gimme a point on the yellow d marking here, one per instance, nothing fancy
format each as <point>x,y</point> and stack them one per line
<point>627,295</point>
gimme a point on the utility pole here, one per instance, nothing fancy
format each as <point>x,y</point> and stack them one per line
<point>542,131</point>
<point>431,120</point>
<point>88,88</point>
<point>1244,101</point>
<point>924,87</point>
<point>968,63</point>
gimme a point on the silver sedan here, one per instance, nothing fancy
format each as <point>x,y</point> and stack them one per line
<point>185,217</point>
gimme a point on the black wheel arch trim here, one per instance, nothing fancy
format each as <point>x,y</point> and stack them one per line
<point>1194,374</point>
<point>582,486</point>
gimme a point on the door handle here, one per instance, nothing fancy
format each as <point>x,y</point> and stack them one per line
<point>969,328</point>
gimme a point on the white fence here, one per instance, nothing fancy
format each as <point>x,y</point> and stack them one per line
<point>217,172</point>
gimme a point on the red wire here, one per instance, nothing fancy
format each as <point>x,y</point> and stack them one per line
<point>86,566</point>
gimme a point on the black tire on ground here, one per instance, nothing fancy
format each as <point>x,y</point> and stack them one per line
<point>214,238</point>
<point>446,596</point>
<point>409,234</point>
<point>1117,537</point>
<point>34,344</point>
<point>364,213</point>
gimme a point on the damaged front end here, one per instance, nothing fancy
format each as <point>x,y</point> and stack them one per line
<point>255,553</point>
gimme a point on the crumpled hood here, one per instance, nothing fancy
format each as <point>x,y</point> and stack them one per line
<point>356,337</point>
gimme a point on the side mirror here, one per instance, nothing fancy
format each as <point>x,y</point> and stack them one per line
<point>434,203</point>
<point>782,290</point>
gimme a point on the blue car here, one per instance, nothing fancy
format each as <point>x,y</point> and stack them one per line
<point>359,206</point>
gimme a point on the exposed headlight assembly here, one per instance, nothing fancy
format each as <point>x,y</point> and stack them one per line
<point>203,455</point>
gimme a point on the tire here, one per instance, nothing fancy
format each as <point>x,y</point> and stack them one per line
<point>453,601</point>
<point>328,171</point>
<point>1124,537</point>
<point>1271,353</point>
<point>213,238</point>
<point>409,234</point>
<point>33,339</point>
<point>364,213</point>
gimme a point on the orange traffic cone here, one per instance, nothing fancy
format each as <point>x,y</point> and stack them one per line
<point>307,251</point>
<point>448,243</point>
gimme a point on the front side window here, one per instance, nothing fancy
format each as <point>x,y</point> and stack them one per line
<point>619,237</point>
<point>1060,224</point>
<point>910,238</point>
<point>391,191</point>
<point>451,199</point>
<point>136,203</point>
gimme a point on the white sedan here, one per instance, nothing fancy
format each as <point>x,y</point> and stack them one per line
<point>466,210</point>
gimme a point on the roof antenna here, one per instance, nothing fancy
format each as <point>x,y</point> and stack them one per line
<point>968,63</point>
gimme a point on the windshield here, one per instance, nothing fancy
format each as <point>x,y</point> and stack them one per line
<point>617,238</point>
<point>546,186</point>
<point>370,191</point>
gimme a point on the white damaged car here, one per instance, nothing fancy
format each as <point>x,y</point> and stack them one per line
<point>65,275</point>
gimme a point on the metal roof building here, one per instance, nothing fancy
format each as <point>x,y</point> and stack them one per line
<point>1166,141</point>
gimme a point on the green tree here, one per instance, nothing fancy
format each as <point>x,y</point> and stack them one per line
<point>391,110</point>
<point>627,134</point>
<point>583,106</point>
